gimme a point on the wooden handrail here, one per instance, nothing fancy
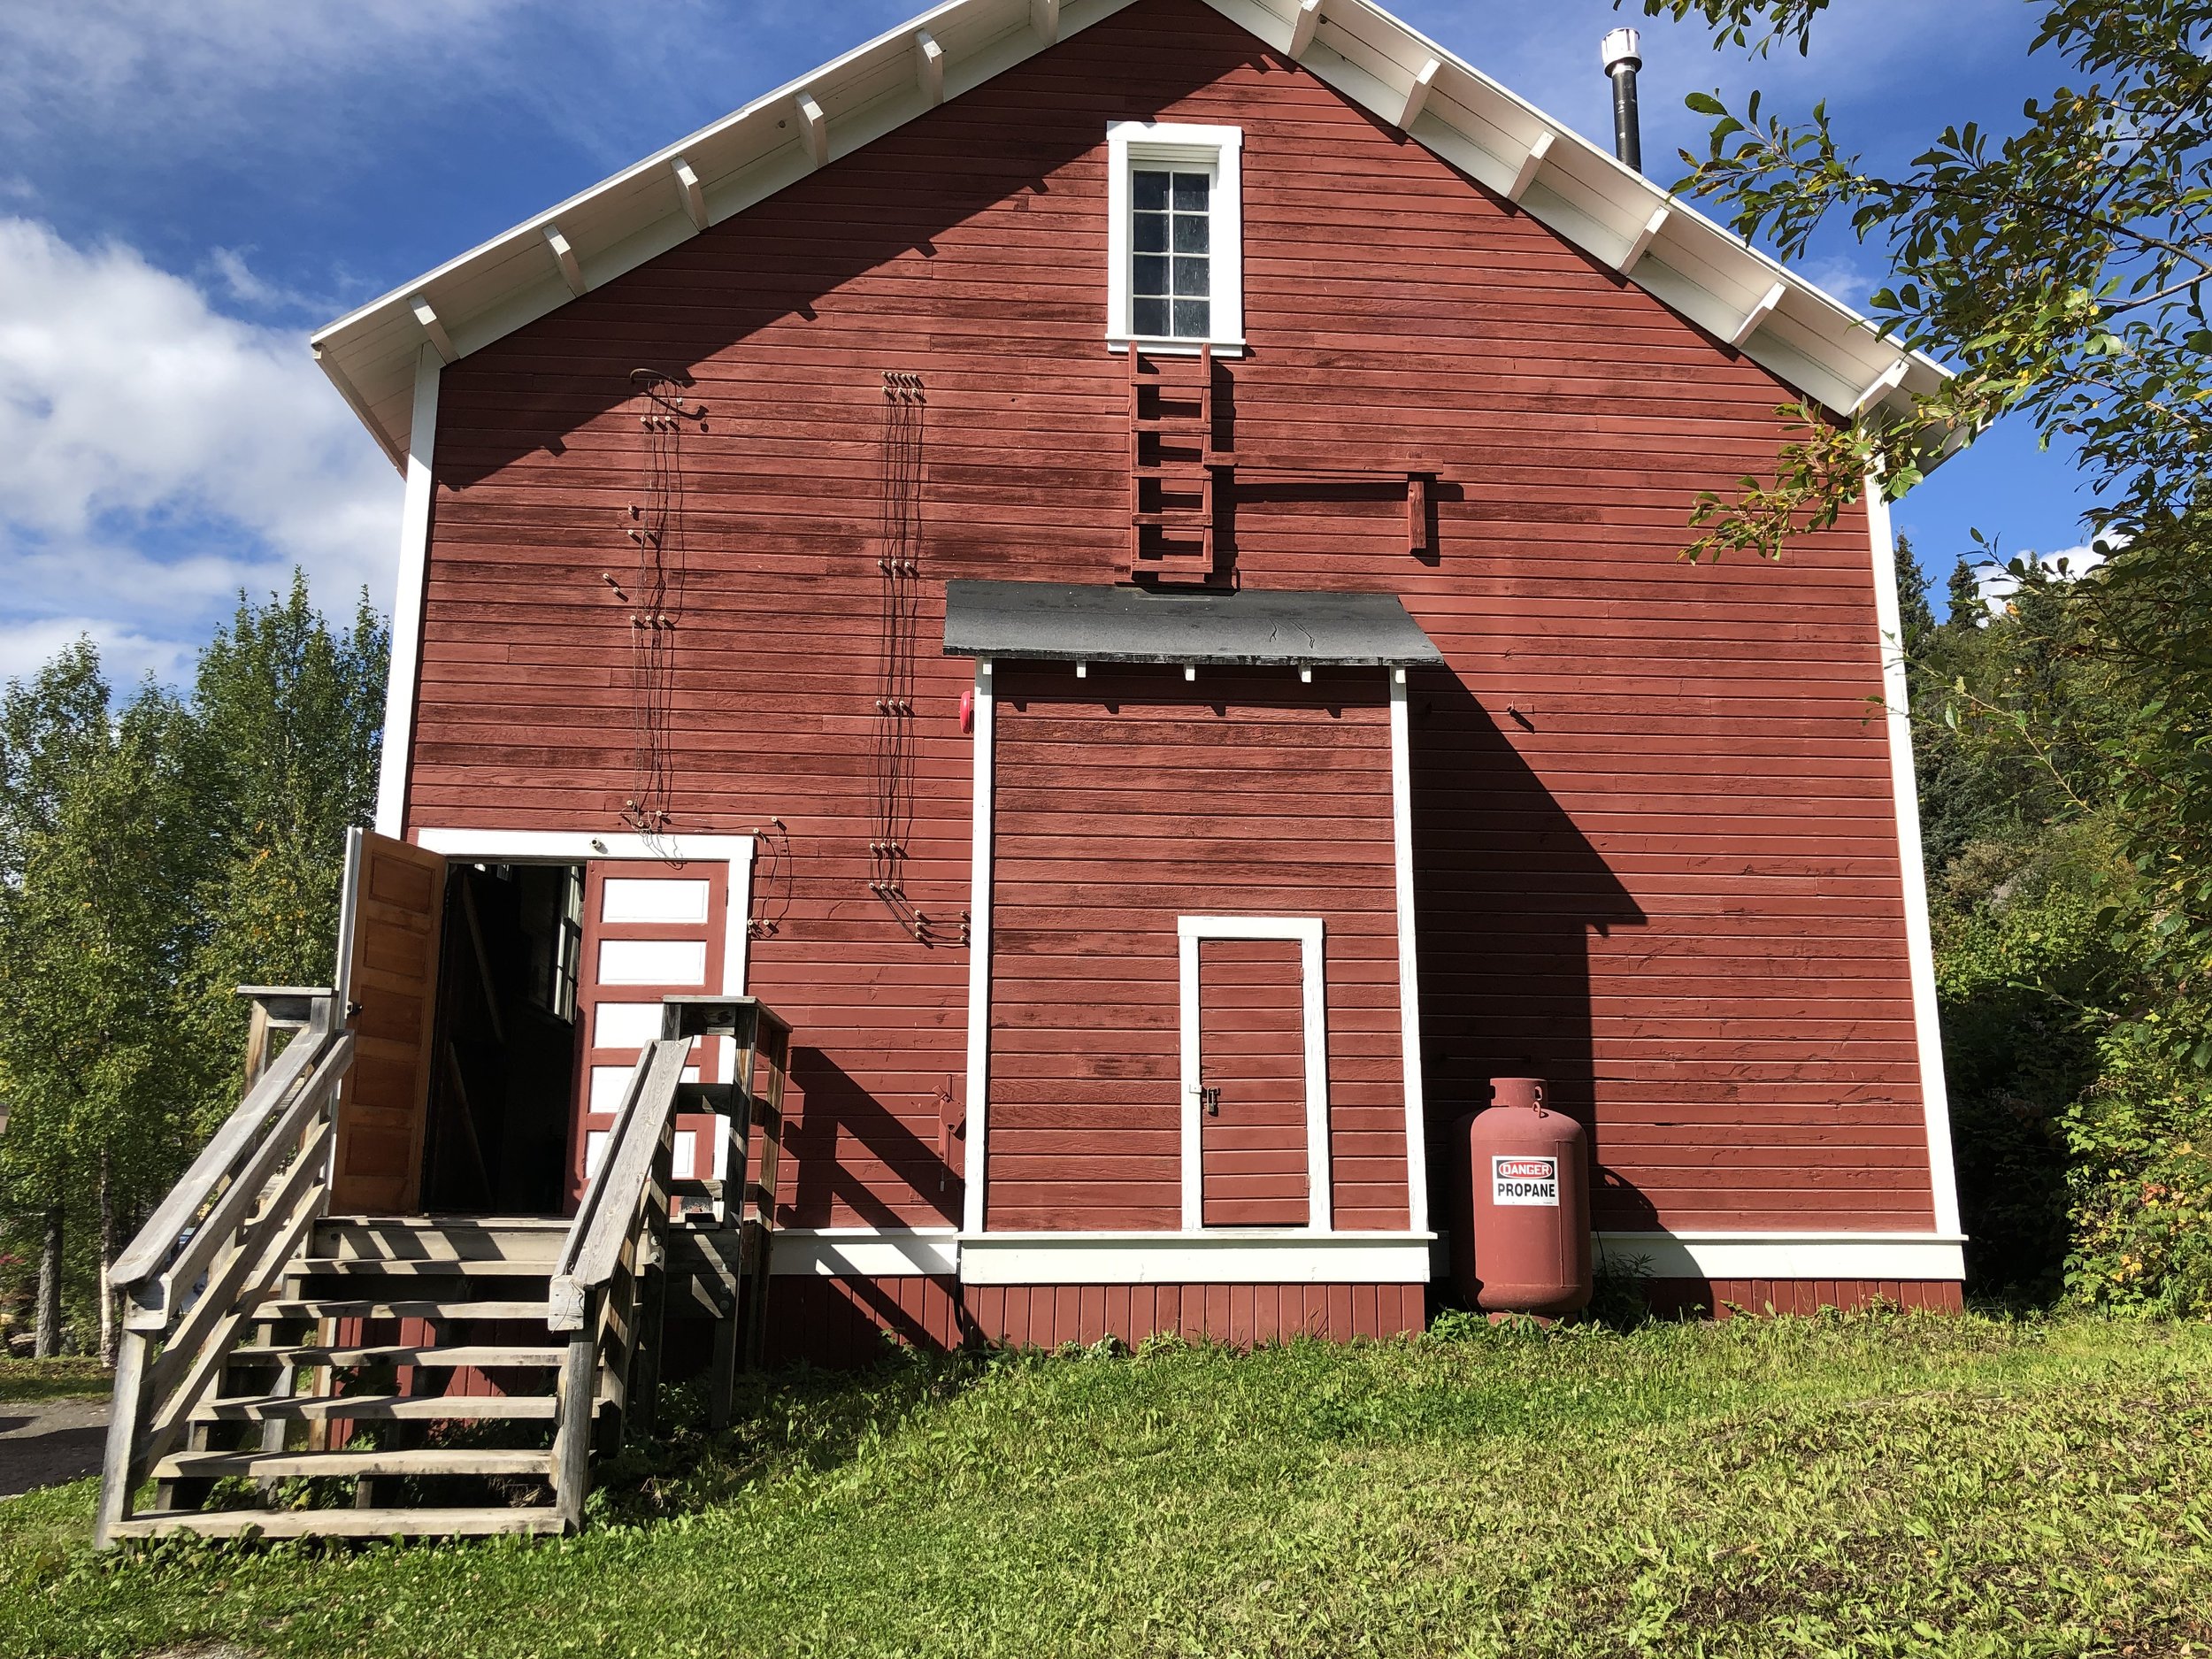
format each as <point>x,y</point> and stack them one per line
<point>148,1254</point>
<point>229,1228</point>
<point>608,1217</point>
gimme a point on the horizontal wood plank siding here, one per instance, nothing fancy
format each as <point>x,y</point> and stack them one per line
<point>1247,793</point>
<point>1656,857</point>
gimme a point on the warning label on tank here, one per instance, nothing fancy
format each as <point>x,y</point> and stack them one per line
<point>1524,1180</point>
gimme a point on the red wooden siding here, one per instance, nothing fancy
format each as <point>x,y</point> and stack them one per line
<point>1251,1040</point>
<point>845,1322</point>
<point>1656,854</point>
<point>1724,1297</point>
<point>1125,801</point>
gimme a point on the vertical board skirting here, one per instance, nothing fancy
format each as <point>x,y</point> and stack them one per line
<point>407,602</point>
<point>978,954</point>
<point>1911,869</point>
<point>1409,967</point>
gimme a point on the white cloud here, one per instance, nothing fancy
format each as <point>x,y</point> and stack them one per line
<point>156,457</point>
<point>1996,583</point>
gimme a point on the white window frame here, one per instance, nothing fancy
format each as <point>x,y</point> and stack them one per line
<point>1220,150</point>
<point>1306,930</point>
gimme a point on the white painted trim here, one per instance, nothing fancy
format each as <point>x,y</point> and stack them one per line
<point>813,129</point>
<point>929,67</point>
<point>1789,1255</point>
<point>1408,962</point>
<point>1417,94</point>
<point>688,186</point>
<point>1905,793</point>
<point>1755,318</point>
<point>1303,24</point>
<point>1044,17</point>
<point>1531,164</point>
<point>433,327</point>
<point>865,1252</point>
<point>579,847</point>
<point>1639,244</point>
<point>1219,1255</point>
<point>978,950</point>
<point>1221,150</point>
<point>564,257</point>
<point>1314,1024</point>
<point>407,601</point>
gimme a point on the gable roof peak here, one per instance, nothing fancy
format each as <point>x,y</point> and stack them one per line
<point>1707,274</point>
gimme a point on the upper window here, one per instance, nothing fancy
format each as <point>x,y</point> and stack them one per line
<point>1175,244</point>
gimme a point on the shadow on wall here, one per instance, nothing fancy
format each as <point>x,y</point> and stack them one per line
<point>1506,892</point>
<point>840,1136</point>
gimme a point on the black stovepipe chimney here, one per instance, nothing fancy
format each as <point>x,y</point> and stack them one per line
<point>1622,61</point>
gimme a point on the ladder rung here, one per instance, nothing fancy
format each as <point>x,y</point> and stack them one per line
<point>427,1309</point>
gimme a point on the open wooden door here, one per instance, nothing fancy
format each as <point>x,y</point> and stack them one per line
<point>387,966</point>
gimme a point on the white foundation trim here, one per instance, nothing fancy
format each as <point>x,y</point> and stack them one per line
<point>1919,940</point>
<point>1314,1024</point>
<point>979,951</point>
<point>407,601</point>
<point>864,1252</point>
<point>1220,1256</point>
<point>1847,1256</point>
<point>1409,964</point>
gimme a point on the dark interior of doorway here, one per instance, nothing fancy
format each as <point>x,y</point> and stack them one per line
<point>505,1065</point>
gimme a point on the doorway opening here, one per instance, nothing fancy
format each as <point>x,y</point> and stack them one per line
<point>505,1046</point>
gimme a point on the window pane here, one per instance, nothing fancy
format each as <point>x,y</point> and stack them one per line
<point>1191,320</point>
<point>1190,279</point>
<point>1190,192</point>
<point>1151,233</point>
<point>1151,191</point>
<point>1190,232</point>
<point>1149,317</point>
<point>1151,275</point>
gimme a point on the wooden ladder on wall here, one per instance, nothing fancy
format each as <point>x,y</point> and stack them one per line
<point>1174,470</point>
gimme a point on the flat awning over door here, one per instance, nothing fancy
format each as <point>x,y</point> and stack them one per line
<point>1067,622</point>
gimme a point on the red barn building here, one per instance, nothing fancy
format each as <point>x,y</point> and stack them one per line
<point>1116,564</point>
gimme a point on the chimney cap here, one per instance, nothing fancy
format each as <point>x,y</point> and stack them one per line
<point>1622,49</point>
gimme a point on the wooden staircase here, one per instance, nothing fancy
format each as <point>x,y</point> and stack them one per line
<point>288,1373</point>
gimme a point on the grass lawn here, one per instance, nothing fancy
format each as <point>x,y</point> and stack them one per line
<point>25,1380</point>
<point>1885,1485</point>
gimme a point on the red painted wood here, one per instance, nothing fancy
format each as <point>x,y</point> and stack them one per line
<point>1653,824</point>
<point>1252,1135</point>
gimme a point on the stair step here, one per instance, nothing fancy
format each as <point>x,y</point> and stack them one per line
<point>285,1465</point>
<point>428,1307</point>
<point>424,1267</point>
<point>483,1357</point>
<point>260,1409</point>
<point>531,1519</point>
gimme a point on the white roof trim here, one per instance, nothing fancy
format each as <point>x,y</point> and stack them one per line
<point>1807,338</point>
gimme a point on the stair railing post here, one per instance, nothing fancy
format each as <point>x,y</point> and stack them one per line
<point>578,1395</point>
<point>126,1424</point>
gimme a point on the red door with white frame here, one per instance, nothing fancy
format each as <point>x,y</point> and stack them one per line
<point>650,930</point>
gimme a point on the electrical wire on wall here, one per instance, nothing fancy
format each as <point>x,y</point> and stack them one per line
<point>656,525</point>
<point>772,880</point>
<point>899,569</point>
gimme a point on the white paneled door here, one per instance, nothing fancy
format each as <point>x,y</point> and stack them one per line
<point>649,930</point>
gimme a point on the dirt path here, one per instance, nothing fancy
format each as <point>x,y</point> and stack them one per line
<point>47,1441</point>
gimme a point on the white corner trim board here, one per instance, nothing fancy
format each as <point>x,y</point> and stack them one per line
<point>866,1252</point>
<point>1919,939</point>
<point>580,847</point>
<point>1305,931</point>
<point>1788,1255</point>
<point>407,601</point>
<point>978,953</point>
<point>1220,1256</point>
<point>1408,955</point>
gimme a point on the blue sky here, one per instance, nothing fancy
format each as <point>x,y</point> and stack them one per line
<point>186,191</point>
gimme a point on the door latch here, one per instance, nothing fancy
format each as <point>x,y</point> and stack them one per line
<point>1210,1099</point>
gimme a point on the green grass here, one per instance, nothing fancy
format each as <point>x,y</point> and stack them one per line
<point>23,1380</point>
<point>1873,1485</point>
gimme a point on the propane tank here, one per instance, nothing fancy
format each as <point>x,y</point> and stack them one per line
<point>1521,1209</point>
